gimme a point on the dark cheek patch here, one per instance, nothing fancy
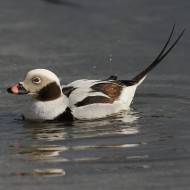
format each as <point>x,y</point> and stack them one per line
<point>50,92</point>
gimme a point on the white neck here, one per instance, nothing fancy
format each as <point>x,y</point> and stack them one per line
<point>38,110</point>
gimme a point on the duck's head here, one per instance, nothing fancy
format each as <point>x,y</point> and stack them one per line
<point>41,84</point>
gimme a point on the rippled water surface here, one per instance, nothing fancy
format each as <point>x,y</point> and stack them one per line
<point>147,147</point>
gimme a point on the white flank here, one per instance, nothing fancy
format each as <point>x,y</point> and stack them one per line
<point>98,110</point>
<point>128,93</point>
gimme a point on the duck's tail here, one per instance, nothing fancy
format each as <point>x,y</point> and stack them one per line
<point>141,76</point>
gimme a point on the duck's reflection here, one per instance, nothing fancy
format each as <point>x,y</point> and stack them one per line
<point>51,131</point>
<point>48,172</point>
<point>58,142</point>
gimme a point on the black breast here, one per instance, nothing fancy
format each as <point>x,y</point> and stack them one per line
<point>65,116</point>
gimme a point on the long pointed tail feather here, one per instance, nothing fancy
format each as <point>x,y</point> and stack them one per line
<point>159,58</point>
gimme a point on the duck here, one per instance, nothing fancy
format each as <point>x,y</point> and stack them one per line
<point>82,99</point>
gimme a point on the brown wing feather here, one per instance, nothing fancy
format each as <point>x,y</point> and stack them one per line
<point>112,90</point>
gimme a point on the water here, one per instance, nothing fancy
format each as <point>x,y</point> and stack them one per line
<point>145,148</point>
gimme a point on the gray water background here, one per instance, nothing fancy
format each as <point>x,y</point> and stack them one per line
<point>148,148</point>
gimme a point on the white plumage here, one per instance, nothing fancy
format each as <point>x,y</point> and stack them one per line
<point>39,110</point>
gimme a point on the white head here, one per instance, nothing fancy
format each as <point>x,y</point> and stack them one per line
<point>41,84</point>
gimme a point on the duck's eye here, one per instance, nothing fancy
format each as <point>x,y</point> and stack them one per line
<point>36,80</point>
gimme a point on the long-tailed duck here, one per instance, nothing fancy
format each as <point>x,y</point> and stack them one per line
<point>81,99</point>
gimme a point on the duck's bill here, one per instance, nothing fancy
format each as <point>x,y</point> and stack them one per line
<point>18,89</point>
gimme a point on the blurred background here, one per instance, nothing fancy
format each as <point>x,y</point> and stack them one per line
<point>147,148</point>
<point>90,39</point>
